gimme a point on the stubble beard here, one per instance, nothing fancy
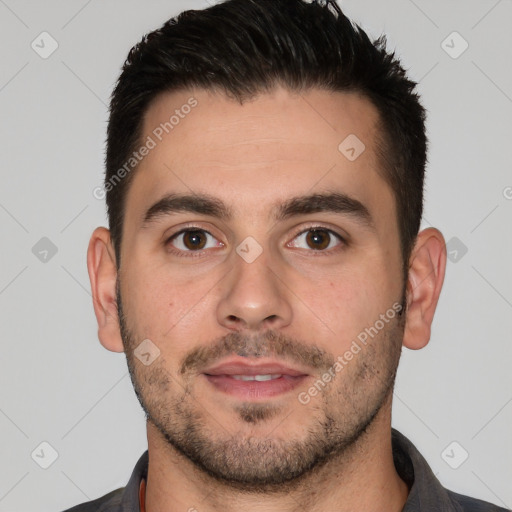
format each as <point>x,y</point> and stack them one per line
<point>337,418</point>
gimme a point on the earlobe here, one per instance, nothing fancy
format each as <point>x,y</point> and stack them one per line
<point>102,269</point>
<point>426,275</point>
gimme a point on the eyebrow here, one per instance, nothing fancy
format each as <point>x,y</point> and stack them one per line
<point>204,204</point>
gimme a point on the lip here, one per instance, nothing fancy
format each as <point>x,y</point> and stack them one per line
<point>243,367</point>
<point>221,378</point>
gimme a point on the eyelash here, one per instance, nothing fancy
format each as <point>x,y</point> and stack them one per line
<point>192,254</point>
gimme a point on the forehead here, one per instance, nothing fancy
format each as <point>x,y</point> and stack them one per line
<point>276,145</point>
<point>217,122</point>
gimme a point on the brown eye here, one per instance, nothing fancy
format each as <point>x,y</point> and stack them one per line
<point>318,239</point>
<point>194,240</point>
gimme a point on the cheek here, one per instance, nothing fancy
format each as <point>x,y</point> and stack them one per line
<point>351,301</point>
<point>161,305</point>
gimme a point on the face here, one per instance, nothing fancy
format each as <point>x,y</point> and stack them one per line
<point>262,262</point>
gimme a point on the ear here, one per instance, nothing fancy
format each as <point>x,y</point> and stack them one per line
<point>427,267</point>
<point>101,264</point>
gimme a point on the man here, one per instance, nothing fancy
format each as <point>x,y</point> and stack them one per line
<point>263,267</point>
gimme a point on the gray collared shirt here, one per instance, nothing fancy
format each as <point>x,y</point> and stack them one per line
<point>426,492</point>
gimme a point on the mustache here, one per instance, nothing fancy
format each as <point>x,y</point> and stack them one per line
<point>266,344</point>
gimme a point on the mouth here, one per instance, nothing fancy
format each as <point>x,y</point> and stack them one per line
<point>254,380</point>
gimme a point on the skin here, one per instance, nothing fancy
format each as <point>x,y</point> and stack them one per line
<point>292,302</point>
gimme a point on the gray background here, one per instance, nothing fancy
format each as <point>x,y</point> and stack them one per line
<point>58,385</point>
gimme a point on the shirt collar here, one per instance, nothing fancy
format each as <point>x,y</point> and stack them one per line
<point>130,501</point>
<point>426,492</point>
<point>142,495</point>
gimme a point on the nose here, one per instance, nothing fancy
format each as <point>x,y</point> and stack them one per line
<point>254,296</point>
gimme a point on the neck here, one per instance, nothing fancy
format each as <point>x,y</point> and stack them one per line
<point>362,478</point>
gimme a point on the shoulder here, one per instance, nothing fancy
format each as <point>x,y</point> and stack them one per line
<point>111,502</point>
<point>467,504</point>
<point>426,491</point>
<point>124,499</point>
